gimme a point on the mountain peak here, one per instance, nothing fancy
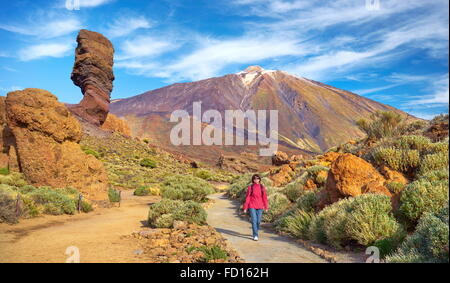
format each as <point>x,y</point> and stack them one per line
<point>254,68</point>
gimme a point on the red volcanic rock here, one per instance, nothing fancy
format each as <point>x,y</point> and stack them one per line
<point>280,158</point>
<point>93,73</point>
<point>46,139</point>
<point>351,176</point>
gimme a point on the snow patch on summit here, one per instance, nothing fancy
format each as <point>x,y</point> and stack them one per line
<point>251,73</point>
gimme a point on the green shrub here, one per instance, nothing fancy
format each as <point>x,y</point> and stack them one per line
<point>192,212</point>
<point>4,171</point>
<point>239,186</point>
<point>7,209</point>
<point>146,141</point>
<point>203,174</point>
<point>388,246</point>
<point>147,162</point>
<point>382,125</point>
<point>142,191</point>
<point>186,187</point>
<point>308,201</point>
<point>293,190</point>
<point>370,219</point>
<point>438,147</point>
<point>436,175</point>
<point>403,160</point>
<point>165,206</point>
<point>212,253</point>
<point>86,206</point>
<point>429,243</point>
<point>163,213</point>
<point>434,161</point>
<point>53,201</point>
<point>296,223</point>
<point>278,203</point>
<point>395,187</point>
<point>363,219</point>
<point>13,179</point>
<point>92,152</point>
<point>113,195</point>
<point>423,196</point>
<point>419,143</point>
<point>314,170</point>
<point>164,221</point>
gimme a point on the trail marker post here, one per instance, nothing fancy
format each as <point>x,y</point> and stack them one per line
<point>80,199</point>
<point>18,205</point>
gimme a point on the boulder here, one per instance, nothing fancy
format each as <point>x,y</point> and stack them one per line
<point>393,176</point>
<point>282,176</point>
<point>350,176</point>
<point>280,158</point>
<point>93,73</point>
<point>47,137</point>
<point>3,148</point>
<point>115,124</point>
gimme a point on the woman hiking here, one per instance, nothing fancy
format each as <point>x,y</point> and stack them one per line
<point>256,202</point>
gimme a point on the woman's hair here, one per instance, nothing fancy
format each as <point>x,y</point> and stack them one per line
<point>256,176</point>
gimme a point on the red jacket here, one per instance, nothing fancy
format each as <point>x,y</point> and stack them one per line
<point>256,199</point>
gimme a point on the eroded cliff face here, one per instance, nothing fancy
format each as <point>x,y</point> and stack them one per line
<point>93,73</point>
<point>42,143</point>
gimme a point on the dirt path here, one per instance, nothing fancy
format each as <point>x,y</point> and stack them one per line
<point>98,235</point>
<point>271,247</point>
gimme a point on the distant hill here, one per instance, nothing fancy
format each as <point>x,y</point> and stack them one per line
<point>312,116</point>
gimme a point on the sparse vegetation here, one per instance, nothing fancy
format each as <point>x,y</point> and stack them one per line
<point>381,125</point>
<point>278,203</point>
<point>165,212</point>
<point>4,171</point>
<point>186,187</point>
<point>423,196</point>
<point>147,162</point>
<point>429,243</point>
<point>34,201</point>
<point>113,195</point>
<point>363,219</point>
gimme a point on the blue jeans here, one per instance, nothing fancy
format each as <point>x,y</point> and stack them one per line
<point>256,215</point>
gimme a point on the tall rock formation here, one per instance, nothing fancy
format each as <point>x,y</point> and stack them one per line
<point>93,73</point>
<point>46,139</point>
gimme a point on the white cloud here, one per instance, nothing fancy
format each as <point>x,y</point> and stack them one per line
<point>144,46</point>
<point>126,25</point>
<point>376,89</point>
<point>93,3</point>
<point>11,88</point>
<point>9,69</point>
<point>45,50</point>
<point>440,93</point>
<point>44,28</point>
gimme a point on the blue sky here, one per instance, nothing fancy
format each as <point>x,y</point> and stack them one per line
<point>397,54</point>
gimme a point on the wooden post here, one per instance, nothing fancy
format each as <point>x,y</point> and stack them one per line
<point>18,205</point>
<point>120,197</point>
<point>80,198</point>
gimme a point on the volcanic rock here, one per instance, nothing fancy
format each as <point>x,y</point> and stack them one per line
<point>280,158</point>
<point>47,137</point>
<point>93,73</point>
<point>351,176</point>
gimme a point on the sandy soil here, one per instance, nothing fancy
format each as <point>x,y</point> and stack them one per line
<point>97,235</point>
